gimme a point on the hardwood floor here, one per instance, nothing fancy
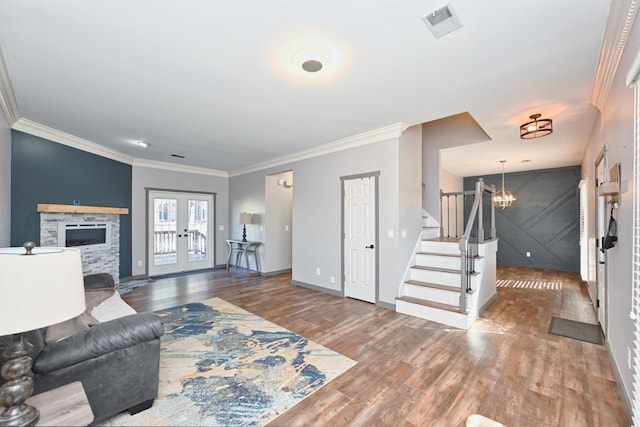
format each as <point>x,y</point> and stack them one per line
<point>412,372</point>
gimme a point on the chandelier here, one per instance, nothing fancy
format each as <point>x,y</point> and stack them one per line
<point>536,128</point>
<point>503,198</point>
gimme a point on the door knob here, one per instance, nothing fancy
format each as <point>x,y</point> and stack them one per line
<point>369,247</point>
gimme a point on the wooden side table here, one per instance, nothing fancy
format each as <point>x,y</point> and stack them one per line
<point>63,406</point>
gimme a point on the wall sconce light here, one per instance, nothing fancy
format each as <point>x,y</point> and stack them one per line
<point>536,128</point>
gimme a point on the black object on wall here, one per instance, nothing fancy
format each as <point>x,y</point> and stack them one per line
<point>544,220</point>
<point>43,171</point>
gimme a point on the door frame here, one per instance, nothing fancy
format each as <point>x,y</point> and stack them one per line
<point>375,175</point>
<point>601,165</point>
<point>214,227</point>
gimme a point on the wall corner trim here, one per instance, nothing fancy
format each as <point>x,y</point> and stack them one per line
<point>365,138</point>
<point>622,15</point>
<point>8,103</point>
<point>42,131</point>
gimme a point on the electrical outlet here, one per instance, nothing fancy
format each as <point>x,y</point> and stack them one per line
<point>403,233</point>
<point>286,228</point>
<point>317,271</point>
<point>140,264</point>
<point>332,279</point>
<point>528,254</point>
<point>221,227</point>
<point>390,233</point>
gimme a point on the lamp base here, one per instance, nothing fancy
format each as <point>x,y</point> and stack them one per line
<point>19,385</point>
<point>244,233</point>
<point>26,415</point>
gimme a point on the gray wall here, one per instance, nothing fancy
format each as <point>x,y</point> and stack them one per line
<point>147,177</point>
<point>614,127</point>
<point>544,219</point>
<point>277,222</point>
<point>317,203</point>
<point>5,181</point>
<point>453,131</point>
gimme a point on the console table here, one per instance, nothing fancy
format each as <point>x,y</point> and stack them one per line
<point>63,406</point>
<point>243,249</point>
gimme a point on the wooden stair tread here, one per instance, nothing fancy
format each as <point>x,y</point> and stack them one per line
<point>436,286</point>
<point>445,255</point>
<point>441,270</point>
<point>440,306</point>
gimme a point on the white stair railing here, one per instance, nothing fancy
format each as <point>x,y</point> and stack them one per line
<point>474,231</point>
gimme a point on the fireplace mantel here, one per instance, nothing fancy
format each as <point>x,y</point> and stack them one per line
<point>47,207</point>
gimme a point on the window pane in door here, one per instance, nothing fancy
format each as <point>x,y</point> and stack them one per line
<point>198,217</point>
<point>165,229</point>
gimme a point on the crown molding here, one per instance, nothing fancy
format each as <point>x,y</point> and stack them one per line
<point>166,166</point>
<point>8,103</point>
<point>42,131</point>
<point>365,138</point>
<point>622,15</point>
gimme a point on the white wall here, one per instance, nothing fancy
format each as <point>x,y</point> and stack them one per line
<point>5,181</point>
<point>317,201</point>
<point>145,177</point>
<point>614,126</point>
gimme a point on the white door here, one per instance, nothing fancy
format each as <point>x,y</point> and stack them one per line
<point>180,232</point>
<point>360,238</point>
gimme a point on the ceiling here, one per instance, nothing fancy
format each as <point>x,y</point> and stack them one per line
<point>212,81</point>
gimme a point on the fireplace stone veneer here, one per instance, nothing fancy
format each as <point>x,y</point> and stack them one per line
<point>105,260</point>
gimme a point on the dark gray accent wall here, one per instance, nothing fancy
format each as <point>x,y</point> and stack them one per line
<point>43,171</point>
<point>544,220</point>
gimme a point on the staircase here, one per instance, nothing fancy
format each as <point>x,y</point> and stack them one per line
<point>432,288</point>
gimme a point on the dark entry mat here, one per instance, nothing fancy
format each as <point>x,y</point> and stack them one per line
<point>578,330</point>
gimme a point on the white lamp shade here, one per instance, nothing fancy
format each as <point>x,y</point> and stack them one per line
<point>41,289</point>
<point>245,218</point>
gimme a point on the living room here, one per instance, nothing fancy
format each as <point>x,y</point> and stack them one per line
<point>41,164</point>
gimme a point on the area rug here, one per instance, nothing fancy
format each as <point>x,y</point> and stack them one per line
<point>529,284</point>
<point>223,366</point>
<point>577,330</point>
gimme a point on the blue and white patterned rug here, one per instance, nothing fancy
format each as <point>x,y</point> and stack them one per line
<point>223,366</point>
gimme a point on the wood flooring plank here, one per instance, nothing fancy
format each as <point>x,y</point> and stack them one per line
<point>412,372</point>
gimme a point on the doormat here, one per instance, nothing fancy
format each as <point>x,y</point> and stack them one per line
<point>577,330</point>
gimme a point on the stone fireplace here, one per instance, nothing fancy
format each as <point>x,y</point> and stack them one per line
<point>101,258</point>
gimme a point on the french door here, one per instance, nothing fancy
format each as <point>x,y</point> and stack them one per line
<point>360,238</point>
<point>180,235</point>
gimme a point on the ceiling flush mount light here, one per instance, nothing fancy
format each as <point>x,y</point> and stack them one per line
<point>312,66</point>
<point>503,198</point>
<point>536,128</point>
<point>142,144</point>
<point>311,58</point>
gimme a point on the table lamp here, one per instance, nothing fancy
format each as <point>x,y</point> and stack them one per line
<point>245,218</point>
<point>38,287</point>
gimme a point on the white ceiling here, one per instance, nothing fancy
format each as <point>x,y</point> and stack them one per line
<point>206,79</point>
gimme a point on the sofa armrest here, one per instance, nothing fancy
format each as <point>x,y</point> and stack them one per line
<point>99,340</point>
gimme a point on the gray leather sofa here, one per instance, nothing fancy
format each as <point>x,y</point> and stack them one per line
<point>116,361</point>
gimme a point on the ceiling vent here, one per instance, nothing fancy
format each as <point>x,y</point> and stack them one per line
<point>442,21</point>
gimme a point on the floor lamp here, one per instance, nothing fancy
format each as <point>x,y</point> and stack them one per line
<point>39,287</point>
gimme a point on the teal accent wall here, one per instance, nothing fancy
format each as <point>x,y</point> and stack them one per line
<point>544,220</point>
<point>43,171</point>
